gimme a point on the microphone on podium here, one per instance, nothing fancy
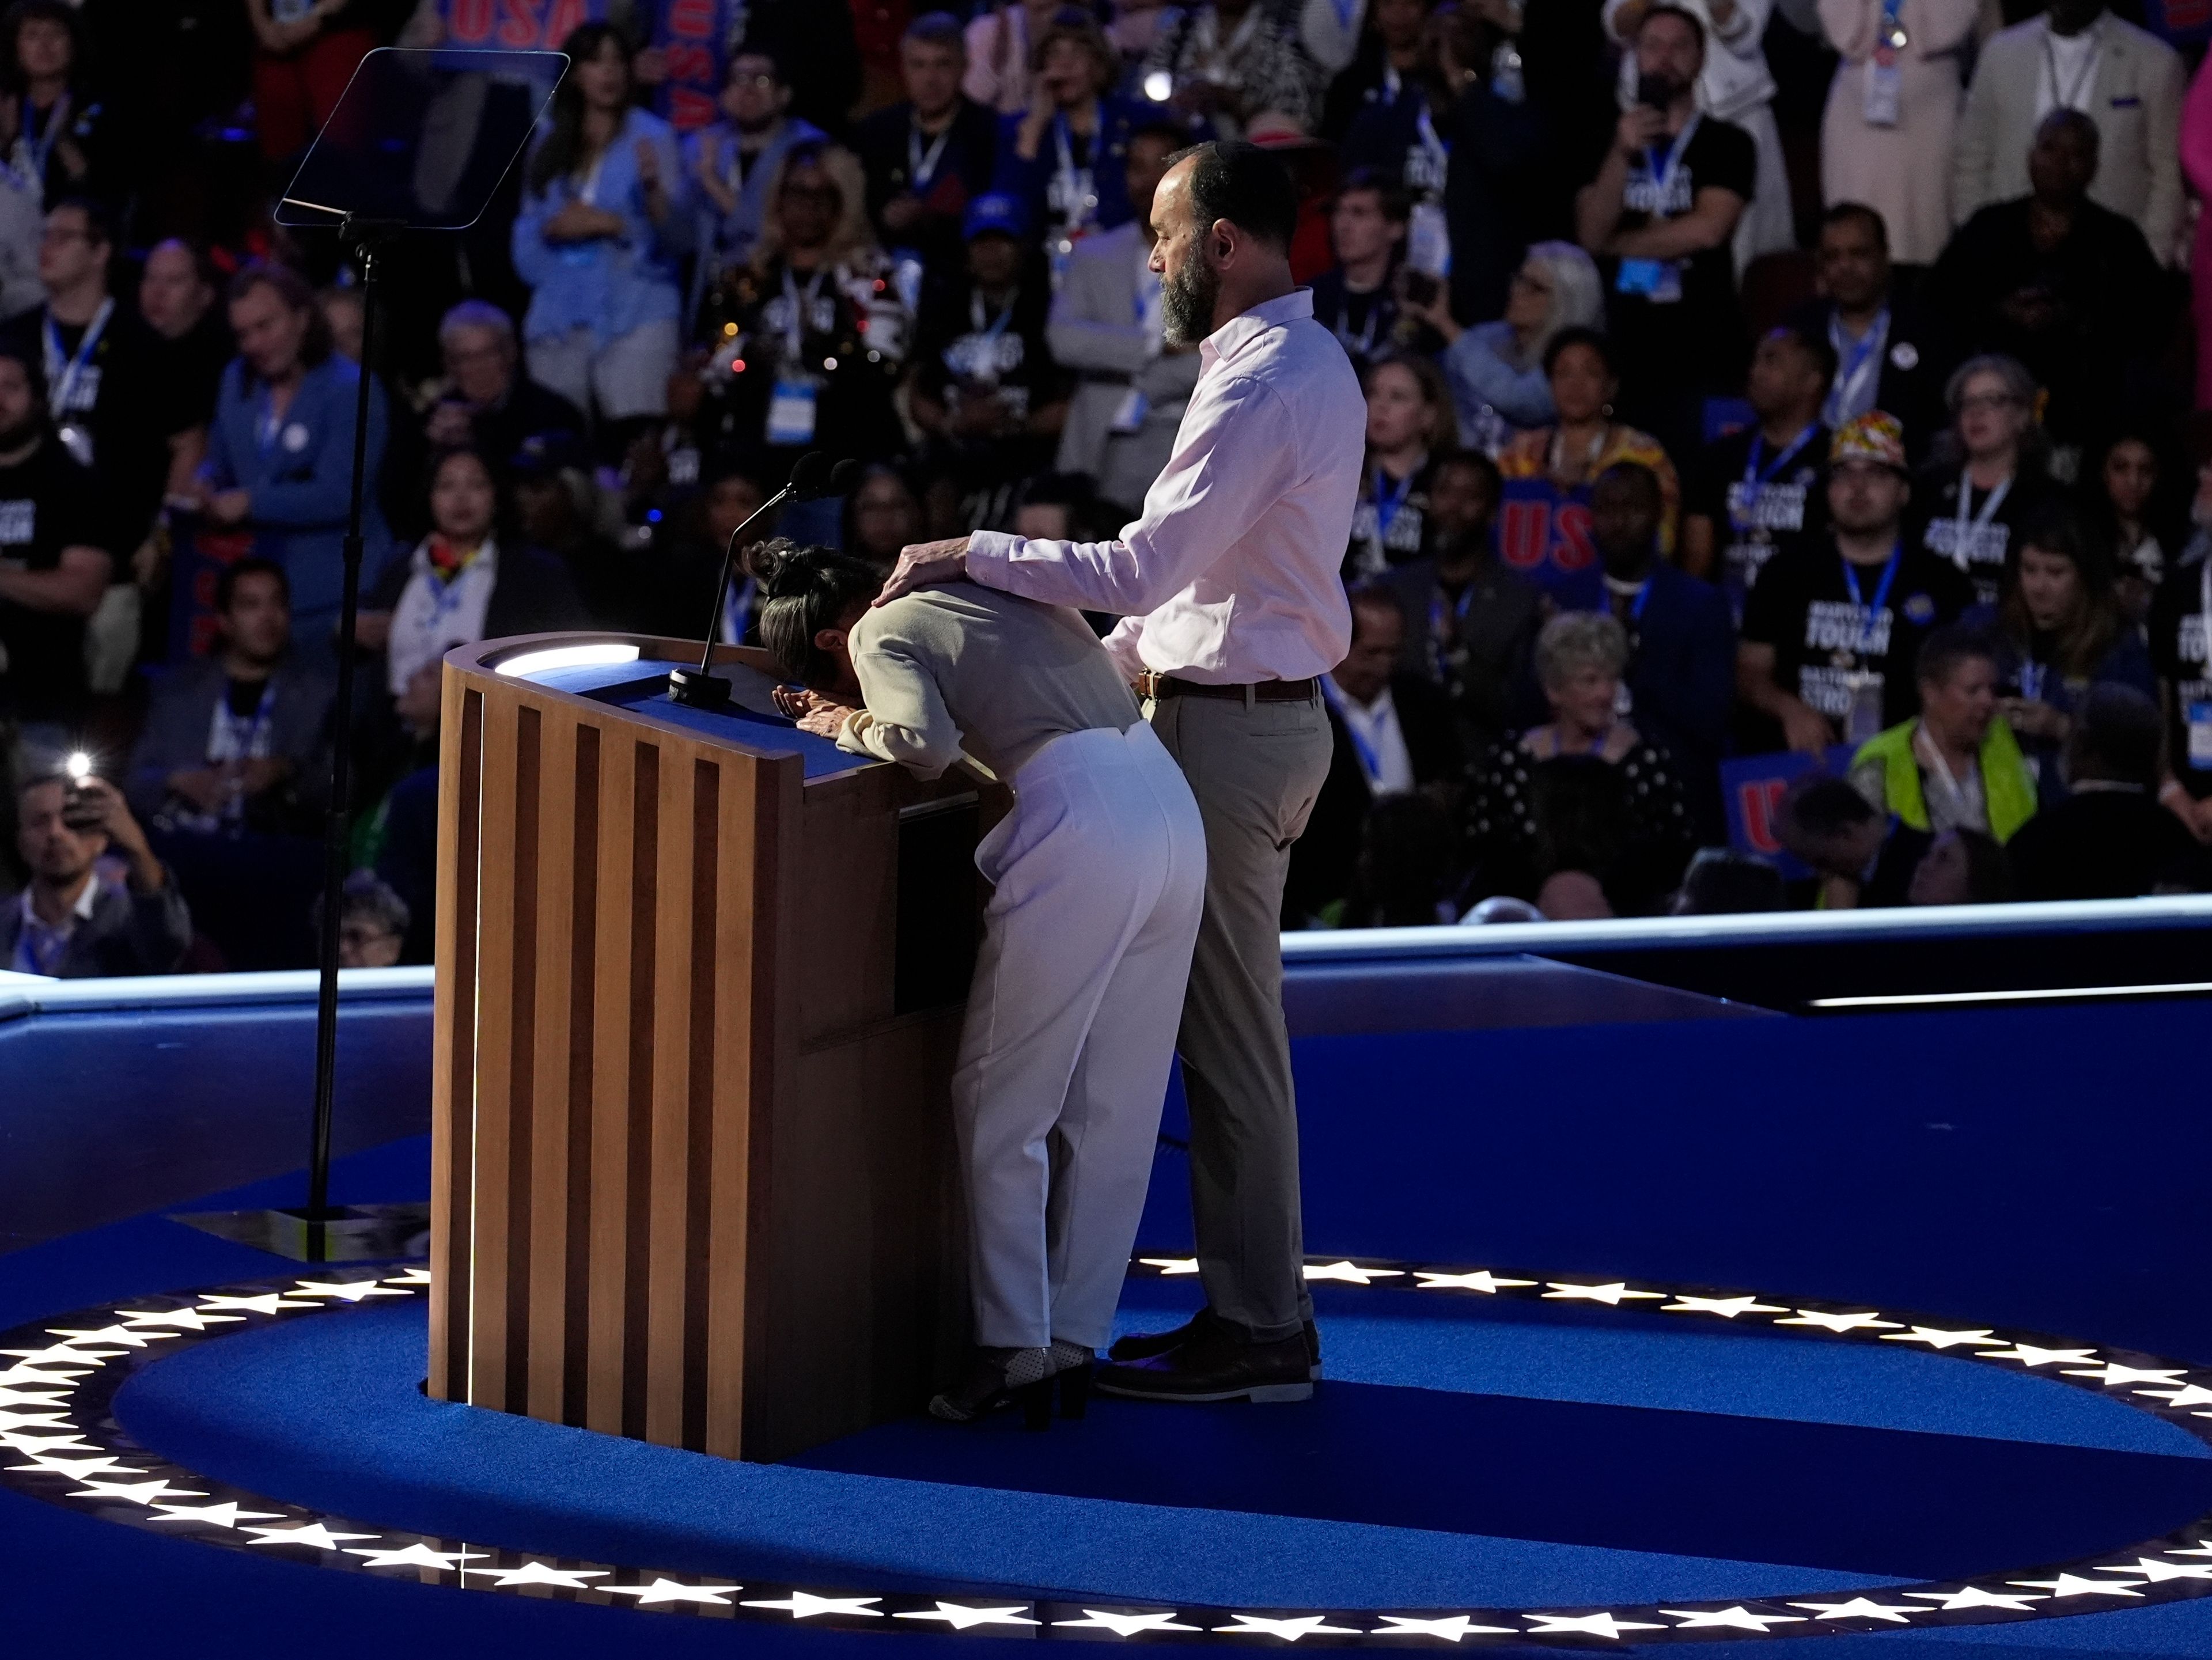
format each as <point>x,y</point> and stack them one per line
<point>813,477</point>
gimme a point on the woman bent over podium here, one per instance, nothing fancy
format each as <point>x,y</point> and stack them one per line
<point>1100,877</point>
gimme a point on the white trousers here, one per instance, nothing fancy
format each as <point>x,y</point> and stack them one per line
<point>627,377</point>
<point>1101,878</point>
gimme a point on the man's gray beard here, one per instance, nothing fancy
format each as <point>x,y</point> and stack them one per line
<point>1187,301</point>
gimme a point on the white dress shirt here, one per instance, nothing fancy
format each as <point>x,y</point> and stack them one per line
<point>1230,573</point>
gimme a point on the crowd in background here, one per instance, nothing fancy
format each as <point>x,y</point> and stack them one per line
<point>1762,509</point>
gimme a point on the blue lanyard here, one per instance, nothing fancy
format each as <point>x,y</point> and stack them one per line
<point>1386,505</point>
<point>1662,174</point>
<point>1370,763</point>
<point>1642,598</point>
<point>1881,594</point>
<point>63,375</point>
<point>1751,473</point>
<point>1843,395</point>
<point>2033,675</point>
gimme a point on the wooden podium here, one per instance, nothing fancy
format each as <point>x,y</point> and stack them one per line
<point>699,988</point>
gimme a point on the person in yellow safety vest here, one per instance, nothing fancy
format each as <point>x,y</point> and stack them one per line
<point>1957,766</point>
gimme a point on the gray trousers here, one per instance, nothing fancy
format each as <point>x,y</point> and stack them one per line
<point>1256,770</point>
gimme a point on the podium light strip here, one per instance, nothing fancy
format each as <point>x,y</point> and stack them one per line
<point>59,1378</point>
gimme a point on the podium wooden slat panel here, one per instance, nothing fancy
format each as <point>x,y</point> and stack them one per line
<point>693,1172</point>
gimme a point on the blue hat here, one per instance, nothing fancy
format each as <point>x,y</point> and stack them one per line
<point>995,211</point>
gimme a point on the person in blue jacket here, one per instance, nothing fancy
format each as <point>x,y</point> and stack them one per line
<point>1065,159</point>
<point>603,221</point>
<point>280,454</point>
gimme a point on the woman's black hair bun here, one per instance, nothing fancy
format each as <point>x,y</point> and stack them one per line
<point>782,567</point>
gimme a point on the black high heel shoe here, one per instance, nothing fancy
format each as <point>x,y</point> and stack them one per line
<point>997,1377</point>
<point>1074,1366</point>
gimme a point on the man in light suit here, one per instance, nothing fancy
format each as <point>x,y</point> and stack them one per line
<point>1105,326</point>
<point>2125,80</point>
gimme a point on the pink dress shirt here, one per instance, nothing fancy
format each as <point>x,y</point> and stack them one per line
<point>1231,571</point>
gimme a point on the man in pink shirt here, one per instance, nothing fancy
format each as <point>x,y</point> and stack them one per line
<point>1232,608</point>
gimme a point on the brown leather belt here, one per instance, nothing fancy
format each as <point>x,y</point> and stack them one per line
<point>1157,686</point>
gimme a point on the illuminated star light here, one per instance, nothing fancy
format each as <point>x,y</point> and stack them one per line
<point>408,1277</point>
<point>2189,1394</point>
<point>2068,1584</point>
<point>1481,1280</point>
<point>78,1469</point>
<point>1610,1295</point>
<point>417,1555</point>
<point>315,1535</point>
<point>2116,1373</point>
<point>1450,1630</point>
<point>1973,1597</point>
<point>959,1616</point>
<point>189,1319</point>
<point>1861,1608</point>
<point>1289,1630</point>
<point>1350,1274</point>
<point>2028,1355</point>
<point>805,1605</point>
<point>1937,1338</point>
<point>351,1290</point>
<point>1727,1307</point>
<point>1170,1266</point>
<point>1126,1625</point>
<point>1840,1322</point>
<point>1591,1625</point>
<point>34,1397</point>
<point>541,1573</point>
<point>1738,1618</point>
<point>28,1374</point>
<point>2158,1572</point>
<point>110,1337</point>
<point>54,1418</point>
<point>60,1354</point>
<point>138,1492</point>
<point>32,1445</point>
<point>225,1515</point>
<point>667,1590</point>
<point>269,1303</point>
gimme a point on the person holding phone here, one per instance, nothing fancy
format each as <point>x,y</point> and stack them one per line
<point>1659,216</point>
<point>73,922</point>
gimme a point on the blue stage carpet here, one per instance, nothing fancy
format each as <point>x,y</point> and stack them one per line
<point>1497,1458</point>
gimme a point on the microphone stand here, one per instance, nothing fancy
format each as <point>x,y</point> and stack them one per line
<point>697,688</point>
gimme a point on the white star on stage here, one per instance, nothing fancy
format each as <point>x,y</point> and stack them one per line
<point>35,1445</point>
<point>2028,1355</point>
<point>805,1605</point>
<point>78,1469</point>
<point>109,1336</point>
<point>28,1374</point>
<point>1304,1625</point>
<point>1481,1280</point>
<point>2189,1394</point>
<point>1350,1274</point>
<point>538,1574</point>
<point>1738,1618</point>
<point>267,1303</point>
<point>1451,1630</point>
<point>1973,1597</point>
<point>1727,1307</point>
<point>59,1355</point>
<point>2158,1572</point>
<point>33,1398</point>
<point>1861,1608</point>
<point>417,1555</point>
<point>1610,1295</point>
<point>667,1590</point>
<point>1171,1266</point>
<point>1840,1322</point>
<point>189,1319</point>
<point>315,1535</point>
<point>138,1492</point>
<point>959,1616</point>
<point>1589,1625</point>
<point>2114,1372</point>
<point>2067,1584</point>
<point>1126,1625</point>
<point>52,1419</point>
<point>351,1290</point>
<point>1937,1338</point>
<point>408,1277</point>
<point>216,1516</point>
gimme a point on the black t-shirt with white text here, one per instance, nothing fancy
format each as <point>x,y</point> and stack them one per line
<point>1389,521</point>
<point>2181,651</point>
<point>46,504</point>
<point>1977,540</point>
<point>1677,320</point>
<point>1823,639</point>
<point>109,401</point>
<point>1763,500</point>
